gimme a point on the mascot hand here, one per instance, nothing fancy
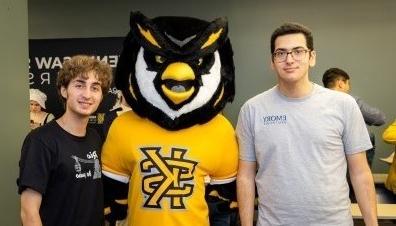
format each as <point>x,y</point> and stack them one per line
<point>115,199</point>
<point>116,210</point>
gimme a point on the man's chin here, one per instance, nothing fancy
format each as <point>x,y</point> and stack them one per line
<point>85,113</point>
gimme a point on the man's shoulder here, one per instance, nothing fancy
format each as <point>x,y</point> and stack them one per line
<point>334,95</point>
<point>47,131</point>
<point>43,136</point>
<point>263,96</point>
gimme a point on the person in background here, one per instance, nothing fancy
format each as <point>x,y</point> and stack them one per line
<point>38,115</point>
<point>120,107</point>
<point>60,179</point>
<point>339,80</point>
<point>296,142</point>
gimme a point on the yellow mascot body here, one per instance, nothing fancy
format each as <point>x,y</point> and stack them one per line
<point>177,74</point>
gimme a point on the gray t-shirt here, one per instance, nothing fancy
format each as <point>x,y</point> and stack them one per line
<point>300,146</point>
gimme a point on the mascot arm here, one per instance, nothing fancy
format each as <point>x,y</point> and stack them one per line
<point>222,185</point>
<point>226,150</point>
<point>222,197</point>
<point>115,188</point>
<point>226,191</point>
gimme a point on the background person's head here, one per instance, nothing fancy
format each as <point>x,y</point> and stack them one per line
<point>336,79</point>
<point>37,100</point>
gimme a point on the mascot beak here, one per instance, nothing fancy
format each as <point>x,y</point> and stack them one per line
<point>178,82</point>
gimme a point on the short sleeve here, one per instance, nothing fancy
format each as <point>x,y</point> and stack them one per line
<point>228,158</point>
<point>355,135</point>
<point>34,165</point>
<point>114,157</point>
<point>245,135</point>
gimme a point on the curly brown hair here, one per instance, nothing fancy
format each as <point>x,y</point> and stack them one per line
<point>79,66</point>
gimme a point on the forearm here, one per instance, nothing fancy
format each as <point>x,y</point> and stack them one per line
<point>246,192</point>
<point>30,208</point>
<point>363,186</point>
<point>245,195</point>
<point>30,218</point>
<point>115,197</point>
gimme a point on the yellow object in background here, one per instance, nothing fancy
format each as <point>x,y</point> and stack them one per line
<point>389,136</point>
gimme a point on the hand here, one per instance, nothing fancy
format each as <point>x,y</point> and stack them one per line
<point>116,211</point>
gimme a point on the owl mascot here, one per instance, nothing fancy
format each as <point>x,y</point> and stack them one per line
<point>177,74</point>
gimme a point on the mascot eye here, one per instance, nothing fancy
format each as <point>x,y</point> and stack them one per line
<point>159,59</point>
<point>200,60</point>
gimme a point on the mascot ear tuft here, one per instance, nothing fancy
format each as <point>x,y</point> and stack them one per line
<point>212,38</point>
<point>215,34</point>
<point>148,36</point>
<point>144,30</point>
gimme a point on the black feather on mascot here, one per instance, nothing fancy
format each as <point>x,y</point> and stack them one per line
<point>177,74</point>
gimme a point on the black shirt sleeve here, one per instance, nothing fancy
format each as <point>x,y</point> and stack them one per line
<point>34,165</point>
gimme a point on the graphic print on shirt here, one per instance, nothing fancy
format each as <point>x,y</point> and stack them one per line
<point>83,167</point>
<point>166,177</point>
<point>274,119</point>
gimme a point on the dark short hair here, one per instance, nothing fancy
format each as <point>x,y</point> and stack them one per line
<point>332,75</point>
<point>292,28</point>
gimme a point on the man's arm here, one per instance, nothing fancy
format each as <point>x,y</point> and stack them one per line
<point>246,191</point>
<point>30,205</point>
<point>372,116</point>
<point>363,186</point>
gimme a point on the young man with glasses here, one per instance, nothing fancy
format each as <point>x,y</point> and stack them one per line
<point>296,140</point>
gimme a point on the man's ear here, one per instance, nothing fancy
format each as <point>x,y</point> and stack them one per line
<point>312,58</point>
<point>272,64</point>
<point>340,84</point>
<point>63,92</point>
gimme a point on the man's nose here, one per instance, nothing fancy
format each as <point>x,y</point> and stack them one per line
<point>87,92</point>
<point>289,57</point>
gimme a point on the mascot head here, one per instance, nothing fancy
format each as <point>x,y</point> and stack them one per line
<point>176,71</point>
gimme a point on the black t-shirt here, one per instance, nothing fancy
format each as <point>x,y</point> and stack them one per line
<point>66,170</point>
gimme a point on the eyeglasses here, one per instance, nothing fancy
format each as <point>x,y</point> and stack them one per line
<point>297,54</point>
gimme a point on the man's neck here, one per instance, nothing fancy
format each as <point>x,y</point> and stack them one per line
<point>73,124</point>
<point>297,89</point>
<point>338,89</point>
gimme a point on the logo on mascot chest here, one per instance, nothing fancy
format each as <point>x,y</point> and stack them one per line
<point>166,177</point>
